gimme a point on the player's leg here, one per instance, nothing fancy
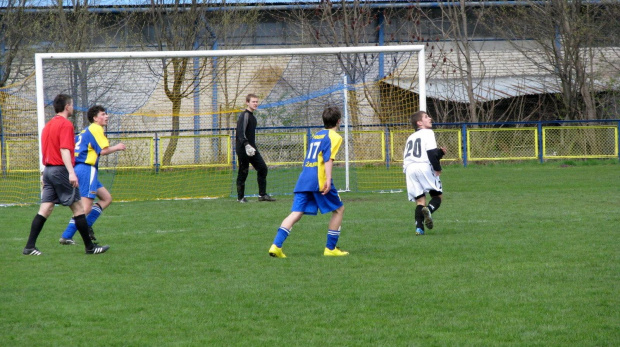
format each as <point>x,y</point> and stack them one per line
<point>431,184</point>
<point>433,205</point>
<point>302,203</point>
<point>70,196</point>
<point>105,199</point>
<point>45,210</point>
<point>67,236</point>
<point>94,210</point>
<point>71,229</point>
<point>291,219</point>
<point>242,175</point>
<point>421,215</point>
<point>335,222</point>
<point>435,202</point>
<point>79,220</point>
<point>92,214</point>
<point>87,180</point>
<point>436,194</point>
<point>333,234</point>
<point>331,202</point>
<point>82,226</point>
<point>52,178</point>
<point>415,192</point>
<point>261,177</point>
<point>283,231</point>
<point>286,226</point>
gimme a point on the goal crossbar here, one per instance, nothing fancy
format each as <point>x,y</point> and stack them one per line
<point>234,53</point>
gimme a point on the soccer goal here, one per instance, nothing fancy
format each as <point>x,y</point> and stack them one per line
<point>176,113</point>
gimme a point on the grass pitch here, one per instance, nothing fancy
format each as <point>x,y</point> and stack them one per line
<point>523,254</point>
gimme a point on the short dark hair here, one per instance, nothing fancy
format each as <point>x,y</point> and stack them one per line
<point>250,96</point>
<point>331,115</point>
<point>93,112</point>
<point>61,101</point>
<point>416,117</point>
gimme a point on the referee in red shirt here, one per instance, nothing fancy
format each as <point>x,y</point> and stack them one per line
<point>60,184</point>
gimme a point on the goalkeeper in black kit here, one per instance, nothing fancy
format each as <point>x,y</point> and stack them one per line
<point>247,152</point>
<point>422,169</point>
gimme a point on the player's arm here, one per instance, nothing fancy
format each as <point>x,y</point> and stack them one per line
<point>434,156</point>
<point>242,125</point>
<point>328,176</point>
<point>103,143</point>
<point>66,155</point>
<point>112,149</point>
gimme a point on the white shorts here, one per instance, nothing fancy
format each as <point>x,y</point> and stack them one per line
<point>420,180</point>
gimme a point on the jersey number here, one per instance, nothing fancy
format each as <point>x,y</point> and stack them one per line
<point>77,143</point>
<point>313,151</point>
<point>415,146</point>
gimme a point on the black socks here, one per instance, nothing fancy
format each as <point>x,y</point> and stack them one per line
<point>82,227</point>
<point>35,230</point>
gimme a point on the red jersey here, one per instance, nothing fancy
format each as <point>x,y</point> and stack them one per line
<point>58,133</point>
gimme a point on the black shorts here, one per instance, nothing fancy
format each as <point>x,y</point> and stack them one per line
<point>57,188</point>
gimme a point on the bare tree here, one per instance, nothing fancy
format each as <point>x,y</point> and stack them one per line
<point>459,62</point>
<point>74,26</point>
<point>231,29</point>
<point>460,33</point>
<point>410,25</point>
<point>345,23</point>
<point>181,25</point>
<point>18,33</point>
<point>568,36</point>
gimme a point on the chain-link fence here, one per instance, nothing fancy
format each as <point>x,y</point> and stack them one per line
<point>204,165</point>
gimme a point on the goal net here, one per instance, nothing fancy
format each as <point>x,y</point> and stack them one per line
<point>19,169</point>
<point>176,113</point>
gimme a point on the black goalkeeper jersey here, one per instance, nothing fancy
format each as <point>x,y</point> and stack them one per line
<point>246,129</point>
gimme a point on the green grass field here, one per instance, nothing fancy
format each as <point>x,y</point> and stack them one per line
<point>521,255</point>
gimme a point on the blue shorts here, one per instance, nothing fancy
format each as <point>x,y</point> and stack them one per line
<point>311,202</point>
<point>88,177</point>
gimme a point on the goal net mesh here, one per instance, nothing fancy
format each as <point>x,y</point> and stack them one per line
<point>19,178</point>
<point>177,118</point>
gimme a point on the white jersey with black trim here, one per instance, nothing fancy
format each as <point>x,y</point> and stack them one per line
<point>416,146</point>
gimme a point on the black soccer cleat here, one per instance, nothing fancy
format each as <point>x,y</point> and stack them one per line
<point>266,197</point>
<point>428,219</point>
<point>64,241</point>
<point>31,251</point>
<point>97,249</point>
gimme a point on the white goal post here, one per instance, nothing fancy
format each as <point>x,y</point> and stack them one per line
<point>41,78</point>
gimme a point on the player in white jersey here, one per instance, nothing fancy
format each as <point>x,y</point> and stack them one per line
<point>422,169</point>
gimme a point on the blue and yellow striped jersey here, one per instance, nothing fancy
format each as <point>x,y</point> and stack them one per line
<point>323,147</point>
<point>89,144</point>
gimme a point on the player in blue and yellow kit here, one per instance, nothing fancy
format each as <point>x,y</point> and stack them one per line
<point>315,189</point>
<point>89,145</point>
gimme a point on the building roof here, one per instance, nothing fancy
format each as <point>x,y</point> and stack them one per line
<point>488,89</point>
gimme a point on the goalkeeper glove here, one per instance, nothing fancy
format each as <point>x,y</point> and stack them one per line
<point>249,150</point>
